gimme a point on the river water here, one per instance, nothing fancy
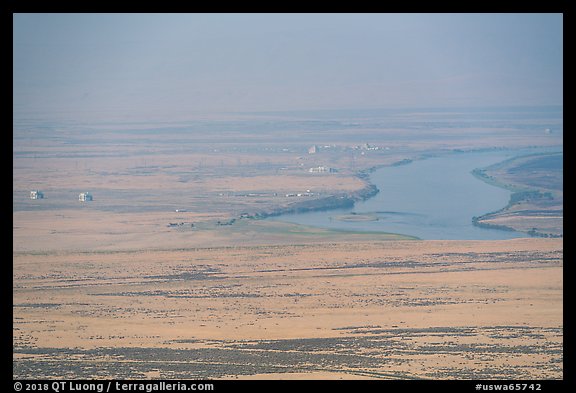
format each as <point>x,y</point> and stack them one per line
<point>434,198</point>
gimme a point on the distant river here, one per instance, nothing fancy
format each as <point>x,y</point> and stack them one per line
<point>434,198</point>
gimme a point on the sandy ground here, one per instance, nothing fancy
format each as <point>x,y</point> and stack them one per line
<point>89,230</point>
<point>110,289</point>
<point>389,309</point>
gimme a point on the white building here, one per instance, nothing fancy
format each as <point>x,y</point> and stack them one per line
<point>321,169</point>
<point>36,194</point>
<point>84,197</point>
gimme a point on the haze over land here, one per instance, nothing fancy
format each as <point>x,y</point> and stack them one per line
<point>192,131</point>
<point>144,66</point>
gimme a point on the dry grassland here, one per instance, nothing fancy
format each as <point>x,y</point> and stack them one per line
<point>392,309</point>
<point>149,280</point>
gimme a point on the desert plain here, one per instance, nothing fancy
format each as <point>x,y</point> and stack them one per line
<point>172,272</point>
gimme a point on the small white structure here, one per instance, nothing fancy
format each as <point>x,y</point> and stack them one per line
<point>84,197</point>
<point>321,169</point>
<point>313,150</point>
<point>36,194</point>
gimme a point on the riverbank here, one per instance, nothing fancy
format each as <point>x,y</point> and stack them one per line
<point>337,201</point>
<point>431,198</point>
<point>332,202</point>
<point>348,200</point>
<point>536,203</point>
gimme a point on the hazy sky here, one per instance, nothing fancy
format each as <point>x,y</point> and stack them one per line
<point>172,63</point>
